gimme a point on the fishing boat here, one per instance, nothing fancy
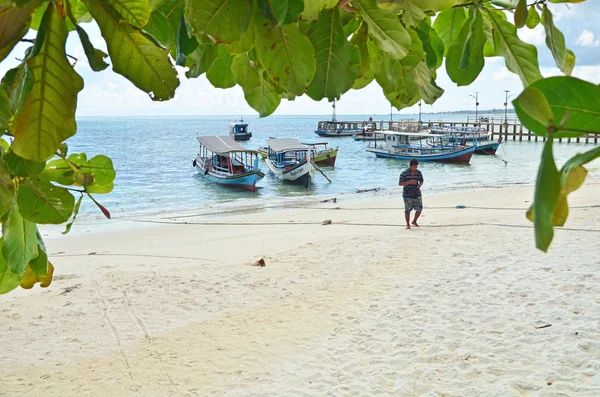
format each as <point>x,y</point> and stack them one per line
<point>335,128</point>
<point>323,154</point>
<point>238,130</point>
<point>468,134</point>
<point>423,147</point>
<point>222,160</point>
<point>369,136</point>
<point>291,161</point>
<point>481,144</point>
<point>488,148</point>
<point>482,140</point>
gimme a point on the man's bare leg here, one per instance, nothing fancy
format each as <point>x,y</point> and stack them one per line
<point>417,215</point>
<point>407,217</point>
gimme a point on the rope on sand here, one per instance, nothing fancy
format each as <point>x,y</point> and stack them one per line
<point>342,223</point>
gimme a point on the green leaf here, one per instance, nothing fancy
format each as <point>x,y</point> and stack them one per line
<point>567,1</point>
<point>569,63</point>
<point>185,44</point>
<point>425,5</point>
<point>521,14</point>
<point>411,13</point>
<point>570,98</point>
<point>580,159</point>
<point>5,113</point>
<point>385,28</point>
<point>335,58</point>
<point>258,91</point>
<point>134,55</point>
<point>432,44</point>
<point>163,24</point>
<point>219,74</point>
<point>533,18</point>
<point>547,190</point>
<point>39,264</point>
<point>425,80</point>
<point>243,45</point>
<point>95,188</point>
<point>263,98</point>
<point>80,12</point>
<point>570,181</point>
<point>436,5</point>
<point>533,103</point>
<point>203,59</point>
<point>312,8</point>
<point>20,241</point>
<point>17,83</point>
<point>224,21</point>
<point>397,77</point>
<point>135,12</point>
<point>22,167</point>
<point>8,279</point>
<point>555,41</point>
<point>520,57</point>
<point>42,202</point>
<point>155,4</point>
<point>360,41</point>
<point>14,24</point>
<point>279,12</point>
<point>59,171</point>
<point>101,167</point>
<point>465,56</point>
<point>448,25</point>
<point>245,72</point>
<point>7,188</point>
<point>48,114</point>
<point>75,213</point>
<point>286,54</point>
<point>94,56</point>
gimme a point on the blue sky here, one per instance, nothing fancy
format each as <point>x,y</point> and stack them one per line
<point>107,93</point>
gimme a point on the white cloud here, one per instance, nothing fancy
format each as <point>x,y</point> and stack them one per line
<point>586,39</point>
<point>588,73</point>
<point>503,74</point>
<point>533,36</point>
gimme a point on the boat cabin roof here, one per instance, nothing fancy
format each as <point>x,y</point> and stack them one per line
<point>315,143</point>
<point>222,144</point>
<point>414,134</point>
<point>286,145</point>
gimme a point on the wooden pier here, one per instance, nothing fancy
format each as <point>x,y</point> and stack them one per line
<point>509,128</point>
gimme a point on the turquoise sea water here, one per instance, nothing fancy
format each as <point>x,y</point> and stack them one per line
<point>153,159</point>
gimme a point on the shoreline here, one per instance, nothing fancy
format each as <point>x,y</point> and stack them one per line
<point>243,206</point>
<point>464,305</point>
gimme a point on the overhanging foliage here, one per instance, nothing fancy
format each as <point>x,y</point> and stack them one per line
<point>274,50</point>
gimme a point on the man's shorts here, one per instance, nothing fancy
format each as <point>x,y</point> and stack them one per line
<point>413,204</point>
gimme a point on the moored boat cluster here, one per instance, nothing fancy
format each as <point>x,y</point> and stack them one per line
<point>225,162</point>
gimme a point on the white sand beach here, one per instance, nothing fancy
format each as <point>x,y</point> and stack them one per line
<point>462,306</point>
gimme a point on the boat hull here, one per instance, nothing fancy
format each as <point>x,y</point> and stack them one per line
<point>320,159</point>
<point>335,134</point>
<point>246,181</point>
<point>487,148</point>
<point>469,138</point>
<point>301,174</point>
<point>369,137</point>
<point>326,158</point>
<point>241,137</point>
<point>456,156</point>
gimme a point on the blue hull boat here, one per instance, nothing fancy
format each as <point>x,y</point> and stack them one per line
<point>225,162</point>
<point>410,145</point>
<point>239,130</point>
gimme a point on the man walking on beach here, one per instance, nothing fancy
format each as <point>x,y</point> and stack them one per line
<point>412,180</point>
